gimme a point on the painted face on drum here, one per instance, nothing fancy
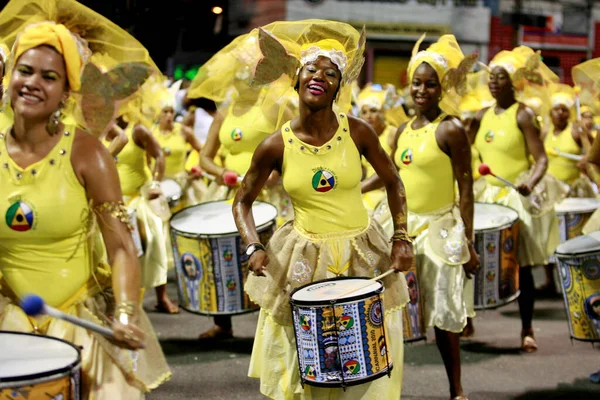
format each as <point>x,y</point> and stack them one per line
<point>189,266</point>
<point>413,288</point>
<point>425,87</point>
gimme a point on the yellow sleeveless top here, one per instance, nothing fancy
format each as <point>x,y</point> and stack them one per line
<point>425,169</point>
<point>384,142</point>
<point>174,147</point>
<point>501,145</point>
<point>43,247</point>
<point>131,164</point>
<point>562,168</point>
<point>324,182</point>
<point>241,135</point>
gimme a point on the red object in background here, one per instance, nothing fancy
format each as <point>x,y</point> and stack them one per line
<point>230,178</point>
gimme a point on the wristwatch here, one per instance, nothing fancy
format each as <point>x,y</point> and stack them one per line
<point>253,247</point>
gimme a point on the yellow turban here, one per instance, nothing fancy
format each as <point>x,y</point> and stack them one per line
<point>380,97</point>
<point>562,94</point>
<point>518,58</point>
<point>60,38</point>
<point>585,109</point>
<point>330,48</point>
<point>442,56</point>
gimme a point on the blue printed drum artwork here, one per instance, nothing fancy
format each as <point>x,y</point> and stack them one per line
<point>340,335</point>
<point>210,257</point>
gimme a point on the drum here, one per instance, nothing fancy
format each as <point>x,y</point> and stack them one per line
<point>496,283</point>
<point>572,214</point>
<point>173,193</point>
<point>413,315</point>
<point>38,367</point>
<point>210,256</point>
<point>579,267</point>
<point>340,341</point>
<point>135,232</point>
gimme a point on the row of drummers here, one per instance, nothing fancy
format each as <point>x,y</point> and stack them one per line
<point>567,120</point>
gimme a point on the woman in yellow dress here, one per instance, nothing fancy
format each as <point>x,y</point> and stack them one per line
<point>319,157</point>
<point>57,183</point>
<point>433,155</point>
<point>506,135</point>
<point>373,101</point>
<point>245,117</point>
<point>565,137</point>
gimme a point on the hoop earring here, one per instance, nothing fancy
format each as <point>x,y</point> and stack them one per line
<point>54,121</point>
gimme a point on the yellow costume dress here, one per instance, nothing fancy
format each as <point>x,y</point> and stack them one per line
<point>330,236</point>
<point>240,135</point>
<point>46,248</point>
<point>373,198</point>
<point>133,174</point>
<point>565,169</point>
<point>434,220</point>
<point>501,145</point>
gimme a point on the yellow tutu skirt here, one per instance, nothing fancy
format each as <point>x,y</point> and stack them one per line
<point>582,187</point>
<point>297,258</point>
<point>441,249</point>
<point>109,372</point>
<point>538,229</point>
<point>158,254</point>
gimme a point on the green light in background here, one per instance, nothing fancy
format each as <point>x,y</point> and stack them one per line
<point>182,71</point>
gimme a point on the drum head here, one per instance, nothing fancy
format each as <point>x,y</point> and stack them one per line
<point>322,292</point>
<point>170,188</point>
<point>577,205</point>
<point>585,244</point>
<point>25,356</point>
<point>493,217</point>
<point>216,218</point>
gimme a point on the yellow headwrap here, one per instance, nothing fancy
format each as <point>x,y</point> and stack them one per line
<point>330,48</point>
<point>380,97</point>
<point>442,55</point>
<point>562,94</point>
<point>584,109</point>
<point>58,37</point>
<point>522,63</point>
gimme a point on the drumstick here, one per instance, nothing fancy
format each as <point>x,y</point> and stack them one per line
<point>567,155</point>
<point>484,169</point>
<point>366,283</point>
<point>34,305</point>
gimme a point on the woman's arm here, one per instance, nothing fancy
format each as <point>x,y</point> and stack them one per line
<point>526,120</point>
<point>98,174</point>
<point>368,142</point>
<point>374,182</point>
<point>209,151</point>
<point>117,138</point>
<point>143,138</point>
<point>267,157</point>
<point>452,139</point>
<point>188,133</point>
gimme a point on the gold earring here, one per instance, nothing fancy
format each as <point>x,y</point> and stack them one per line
<point>52,127</point>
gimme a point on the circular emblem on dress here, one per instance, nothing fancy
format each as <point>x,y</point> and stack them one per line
<point>323,181</point>
<point>489,136</point>
<point>19,217</point>
<point>236,134</point>
<point>406,156</point>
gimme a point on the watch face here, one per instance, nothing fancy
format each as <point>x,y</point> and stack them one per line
<point>250,250</point>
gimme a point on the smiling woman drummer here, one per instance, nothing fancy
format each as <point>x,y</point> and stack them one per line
<point>59,183</point>
<point>319,157</point>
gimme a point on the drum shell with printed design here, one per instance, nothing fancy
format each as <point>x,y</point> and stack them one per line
<point>341,344</point>
<point>211,268</point>
<point>496,283</point>
<point>413,314</point>
<point>38,367</point>
<point>572,214</point>
<point>579,267</point>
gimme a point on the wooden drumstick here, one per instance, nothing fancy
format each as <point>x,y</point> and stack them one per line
<point>567,155</point>
<point>366,283</point>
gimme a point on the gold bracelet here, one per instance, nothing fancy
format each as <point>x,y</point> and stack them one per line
<point>116,209</point>
<point>124,312</point>
<point>401,235</point>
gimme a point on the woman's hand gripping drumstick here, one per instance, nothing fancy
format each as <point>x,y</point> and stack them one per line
<point>523,188</point>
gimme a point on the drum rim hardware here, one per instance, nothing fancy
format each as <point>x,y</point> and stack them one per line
<point>501,227</point>
<point>334,301</point>
<point>41,377</point>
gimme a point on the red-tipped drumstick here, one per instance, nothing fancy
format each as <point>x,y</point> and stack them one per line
<point>230,178</point>
<point>196,170</point>
<point>484,169</point>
